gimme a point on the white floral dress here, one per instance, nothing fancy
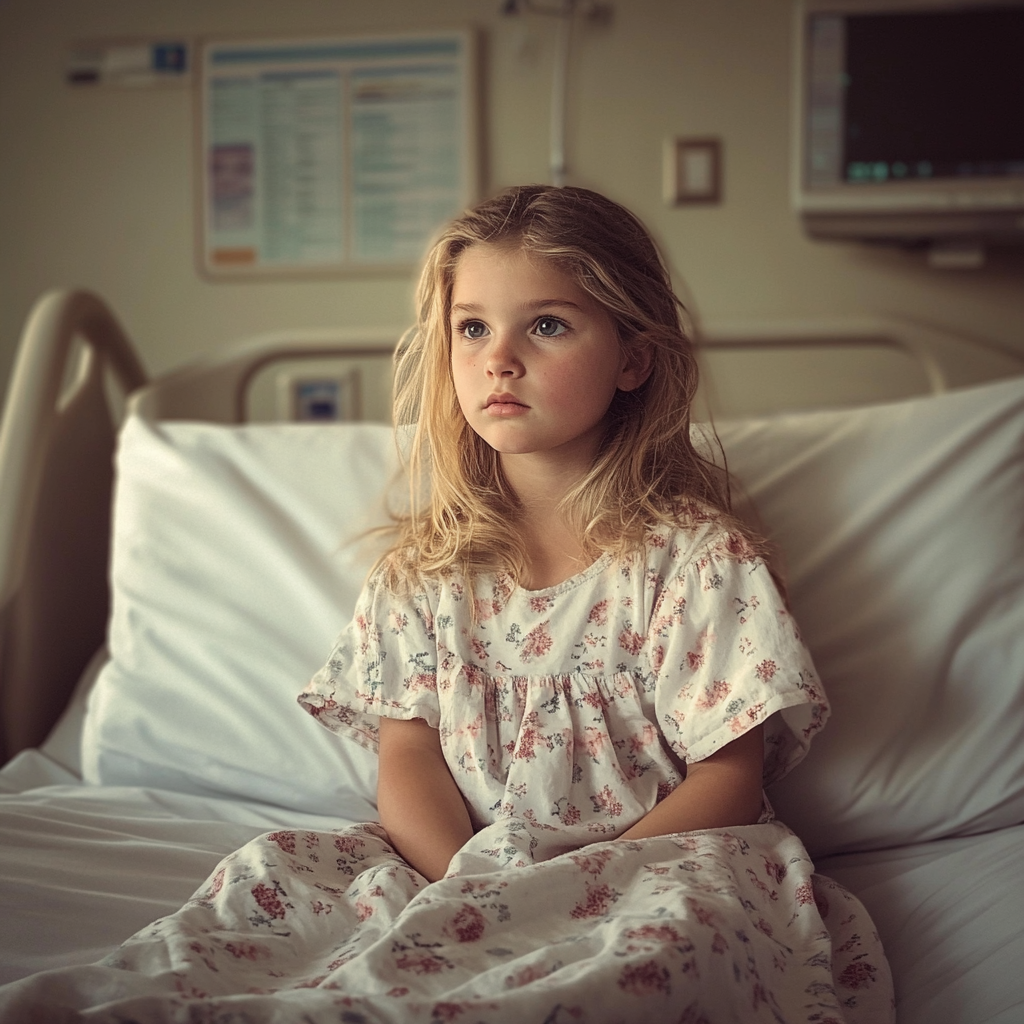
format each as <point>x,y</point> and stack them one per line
<point>565,714</point>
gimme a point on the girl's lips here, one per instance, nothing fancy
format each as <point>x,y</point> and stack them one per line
<point>504,405</point>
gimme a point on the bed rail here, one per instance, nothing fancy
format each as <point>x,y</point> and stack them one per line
<point>57,440</point>
<point>215,388</point>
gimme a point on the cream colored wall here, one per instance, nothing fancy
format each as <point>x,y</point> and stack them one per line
<point>96,185</point>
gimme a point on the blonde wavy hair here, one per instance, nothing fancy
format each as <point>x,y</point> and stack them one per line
<point>463,512</point>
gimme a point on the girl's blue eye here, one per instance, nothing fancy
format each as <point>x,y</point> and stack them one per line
<point>473,330</point>
<point>549,327</point>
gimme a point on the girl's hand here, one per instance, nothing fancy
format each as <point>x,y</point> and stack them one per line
<point>722,791</point>
<point>420,805</point>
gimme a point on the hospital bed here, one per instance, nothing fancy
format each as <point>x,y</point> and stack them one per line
<point>175,562</point>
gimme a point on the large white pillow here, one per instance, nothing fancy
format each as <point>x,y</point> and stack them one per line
<point>902,529</point>
<point>233,569</point>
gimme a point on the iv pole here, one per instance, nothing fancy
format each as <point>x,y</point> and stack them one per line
<point>565,12</point>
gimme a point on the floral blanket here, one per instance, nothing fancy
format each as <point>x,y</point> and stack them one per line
<point>696,928</point>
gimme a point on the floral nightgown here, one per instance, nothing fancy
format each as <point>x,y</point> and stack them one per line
<point>565,714</point>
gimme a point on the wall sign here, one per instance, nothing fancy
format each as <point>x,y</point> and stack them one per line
<point>333,155</point>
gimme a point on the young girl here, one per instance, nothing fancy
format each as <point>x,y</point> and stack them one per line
<point>579,675</point>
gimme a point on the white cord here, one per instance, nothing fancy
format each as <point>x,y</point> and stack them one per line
<point>560,94</point>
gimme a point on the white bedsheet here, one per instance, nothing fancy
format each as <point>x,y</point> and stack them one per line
<point>949,913</point>
<point>84,867</point>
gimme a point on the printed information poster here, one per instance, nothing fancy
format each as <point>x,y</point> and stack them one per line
<point>333,155</point>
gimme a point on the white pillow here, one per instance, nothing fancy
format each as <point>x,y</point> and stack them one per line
<point>231,575</point>
<point>902,527</point>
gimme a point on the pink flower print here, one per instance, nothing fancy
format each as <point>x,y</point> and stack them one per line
<point>526,976</point>
<point>641,979</point>
<point>474,677</point>
<point>467,925</point>
<point>524,745</point>
<point>268,901</point>
<point>646,738</point>
<point>766,670</point>
<point>718,943</point>
<point>859,974</point>
<point>486,609</point>
<point>480,648</point>
<point>502,590</point>
<point>474,728</point>
<point>739,547</point>
<point>201,951</point>
<point>804,894</point>
<point>347,844</point>
<point>591,863</point>
<point>319,907</point>
<point>657,932</point>
<point>598,899</point>
<point>714,694</point>
<point>703,914</point>
<point>631,641</point>
<point>776,871</point>
<point>447,1011</point>
<point>657,540</point>
<point>658,658</point>
<point>695,658</point>
<point>607,801</point>
<point>599,613</point>
<point>419,963</point>
<point>593,741</point>
<point>423,681</point>
<point>244,950</point>
<point>217,884</point>
<point>536,643</point>
<point>571,815</point>
<point>397,992</point>
<point>397,621</point>
<point>285,840</point>
<point>541,603</point>
<point>363,910</point>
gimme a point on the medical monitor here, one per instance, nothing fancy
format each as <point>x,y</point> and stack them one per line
<point>909,120</point>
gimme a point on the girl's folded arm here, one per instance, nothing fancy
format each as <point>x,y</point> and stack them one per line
<point>721,791</point>
<point>420,805</point>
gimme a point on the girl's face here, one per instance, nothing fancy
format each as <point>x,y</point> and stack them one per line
<point>536,360</point>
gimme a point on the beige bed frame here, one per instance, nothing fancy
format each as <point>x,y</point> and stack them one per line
<point>76,368</point>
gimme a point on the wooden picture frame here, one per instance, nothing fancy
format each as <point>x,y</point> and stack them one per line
<point>693,171</point>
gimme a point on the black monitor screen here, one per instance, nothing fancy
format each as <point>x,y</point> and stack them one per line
<point>935,94</point>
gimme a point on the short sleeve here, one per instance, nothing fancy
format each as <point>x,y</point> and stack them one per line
<point>730,657</point>
<point>384,664</point>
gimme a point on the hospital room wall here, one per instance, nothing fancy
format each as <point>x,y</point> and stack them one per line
<point>97,187</point>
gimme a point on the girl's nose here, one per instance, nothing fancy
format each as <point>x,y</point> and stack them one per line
<point>503,359</point>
